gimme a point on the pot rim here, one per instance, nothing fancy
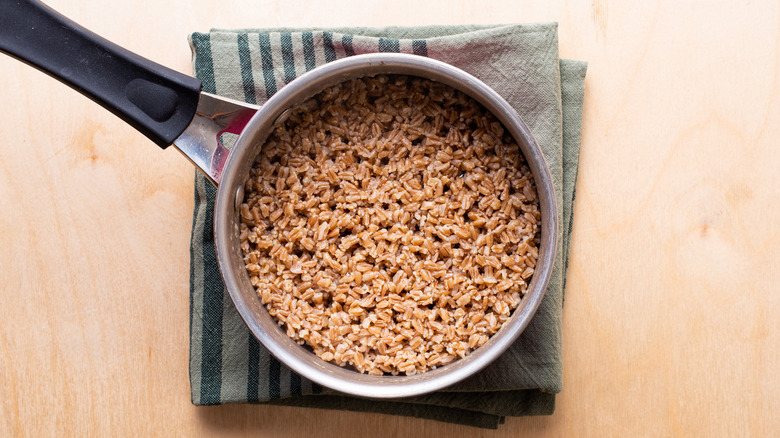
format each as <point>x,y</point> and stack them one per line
<point>244,296</point>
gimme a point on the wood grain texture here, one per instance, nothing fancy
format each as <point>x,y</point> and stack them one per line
<point>672,316</point>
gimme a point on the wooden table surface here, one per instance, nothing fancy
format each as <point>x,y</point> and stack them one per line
<point>672,316</point>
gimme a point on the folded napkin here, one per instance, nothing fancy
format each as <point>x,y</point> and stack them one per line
<point>227,364</point>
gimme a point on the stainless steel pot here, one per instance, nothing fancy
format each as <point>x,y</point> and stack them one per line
<point>169,108</point>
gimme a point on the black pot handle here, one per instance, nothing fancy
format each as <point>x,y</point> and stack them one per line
<point>157,101</point>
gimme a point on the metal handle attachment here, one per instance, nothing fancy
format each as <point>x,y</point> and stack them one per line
<point>201,141</point>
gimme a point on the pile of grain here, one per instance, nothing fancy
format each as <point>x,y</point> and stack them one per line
<point>390,224</point>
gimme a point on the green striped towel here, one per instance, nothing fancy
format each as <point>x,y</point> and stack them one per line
<point>227,364</point>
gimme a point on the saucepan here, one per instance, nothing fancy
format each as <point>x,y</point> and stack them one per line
<point>170,109</point>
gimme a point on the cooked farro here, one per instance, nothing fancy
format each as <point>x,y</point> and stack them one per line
<point>390,224</point>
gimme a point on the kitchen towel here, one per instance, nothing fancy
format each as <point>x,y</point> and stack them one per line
<point>520,62</point>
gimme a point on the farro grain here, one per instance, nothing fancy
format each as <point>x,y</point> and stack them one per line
<point>390,224</point>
